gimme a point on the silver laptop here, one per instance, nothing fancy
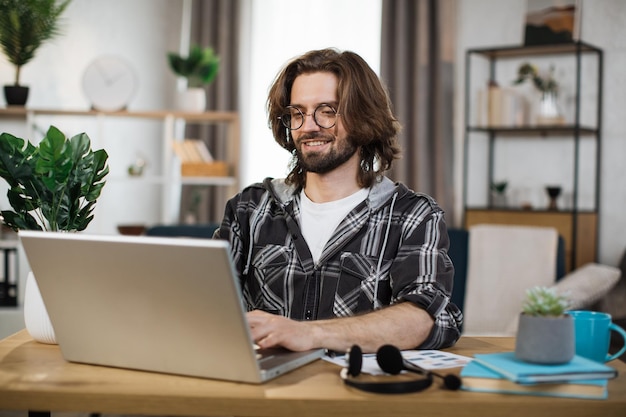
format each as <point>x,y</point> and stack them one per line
<point>169,305</point>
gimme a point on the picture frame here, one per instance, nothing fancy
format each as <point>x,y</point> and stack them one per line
<point>551,22</point>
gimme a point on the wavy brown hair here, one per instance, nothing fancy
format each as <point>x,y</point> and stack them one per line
<point>364,107</point>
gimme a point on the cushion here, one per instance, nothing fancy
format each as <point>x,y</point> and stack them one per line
<point>587,284</point>
<point>503,261</point>
<point>614,302</point>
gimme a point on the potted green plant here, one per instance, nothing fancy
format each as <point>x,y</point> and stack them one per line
<point>545,332</point>
<point>498,194</point>
<point>53,186</point>
<point>548,111</point>
<point>199,68</point>
<point>24,26</point>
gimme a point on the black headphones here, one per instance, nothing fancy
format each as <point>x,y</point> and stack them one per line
<point>390,360</point>
<point>355,361</point>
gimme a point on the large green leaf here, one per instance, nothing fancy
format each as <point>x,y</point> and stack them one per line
<point>15,154</point>
<point>21,201</point>
<point>23,221</point>
<point>55,162</point>
<point>92,186</point>
<point>53,186</point>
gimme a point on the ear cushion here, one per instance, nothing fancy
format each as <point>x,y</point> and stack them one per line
<point>355,361</point>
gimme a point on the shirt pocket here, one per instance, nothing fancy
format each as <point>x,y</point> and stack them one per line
<point>267,283</point>
<point>357,284</point>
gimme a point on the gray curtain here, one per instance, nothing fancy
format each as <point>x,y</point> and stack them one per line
<point>214,24</point>
<point>417,66</point>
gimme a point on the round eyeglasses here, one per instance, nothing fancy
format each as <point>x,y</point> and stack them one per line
<point>324,115</point>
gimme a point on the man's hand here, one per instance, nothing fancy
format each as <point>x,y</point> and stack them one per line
<point>403,325</point>
<point>269,330</point>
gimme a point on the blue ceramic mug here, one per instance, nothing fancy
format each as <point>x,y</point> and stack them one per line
<point>592,334</point>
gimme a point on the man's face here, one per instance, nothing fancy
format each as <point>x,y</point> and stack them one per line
<point>319,150</point>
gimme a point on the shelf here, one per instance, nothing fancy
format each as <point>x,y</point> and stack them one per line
<point>555,130</point>
<point>516,51</point>
<point>527,211</point>
<point>157,180</point>
<point>9,243</point>
<point>143,179</point>
<point>212,116</point>
<point>168,176</point>
<point>208,180</point>
<point>578,227</point>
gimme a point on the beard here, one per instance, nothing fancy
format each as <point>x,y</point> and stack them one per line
<point>322,163</point>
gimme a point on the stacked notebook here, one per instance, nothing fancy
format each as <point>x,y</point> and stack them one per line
<point>504,373</point>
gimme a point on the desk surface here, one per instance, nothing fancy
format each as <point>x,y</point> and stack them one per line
<point>34,376</point>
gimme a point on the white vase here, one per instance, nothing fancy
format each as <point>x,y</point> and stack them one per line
<point>499,200</point>
<point>35,314</point>
<point>548,111</point>
<point>191,100</point>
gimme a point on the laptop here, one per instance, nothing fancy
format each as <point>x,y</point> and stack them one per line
<point>170,305</point>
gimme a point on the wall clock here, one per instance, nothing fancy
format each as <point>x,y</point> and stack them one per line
<point>109,82</point>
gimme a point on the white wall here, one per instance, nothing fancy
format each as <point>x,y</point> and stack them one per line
<point>602,27</point>
<point>139,31</point>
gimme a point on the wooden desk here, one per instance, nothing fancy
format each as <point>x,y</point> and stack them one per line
<point>34,376</point>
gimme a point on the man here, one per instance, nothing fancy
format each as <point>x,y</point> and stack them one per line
<point>337,254</point>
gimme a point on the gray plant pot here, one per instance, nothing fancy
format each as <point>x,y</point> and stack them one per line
<point>545,340</point>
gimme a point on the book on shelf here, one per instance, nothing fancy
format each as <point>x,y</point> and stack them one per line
<point>190,150</point>
<point>197,161</point>
<point>516,370</point>
<point>478,378</point>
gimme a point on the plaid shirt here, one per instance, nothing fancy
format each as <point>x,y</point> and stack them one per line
<point>392,247</point>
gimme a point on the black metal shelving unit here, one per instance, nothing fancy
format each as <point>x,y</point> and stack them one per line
<point>572,129</point>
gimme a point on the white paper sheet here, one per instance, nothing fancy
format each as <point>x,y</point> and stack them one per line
<point>427,359</point>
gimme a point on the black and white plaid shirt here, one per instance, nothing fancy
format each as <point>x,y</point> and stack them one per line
<point>392,247</point>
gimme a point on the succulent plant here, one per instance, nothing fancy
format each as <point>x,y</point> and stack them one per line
<point>499,187</point>
<point>543,301</point>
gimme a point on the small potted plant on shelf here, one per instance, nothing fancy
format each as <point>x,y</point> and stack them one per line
<point>545,332</point>
<point>200,68</point>
<point>52,187</point>
<point>498,194</point>
<point>24,26</point>
<point>548,111</point>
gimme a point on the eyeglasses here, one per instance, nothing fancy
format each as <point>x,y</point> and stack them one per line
<point>324,115</point>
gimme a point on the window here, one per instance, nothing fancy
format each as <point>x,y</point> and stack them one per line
<point>274,32</point>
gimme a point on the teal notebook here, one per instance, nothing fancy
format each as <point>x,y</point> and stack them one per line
<point>579,368</point>
<point>477,378</point>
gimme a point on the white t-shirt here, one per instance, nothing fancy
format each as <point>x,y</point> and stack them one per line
<point>319,220</point>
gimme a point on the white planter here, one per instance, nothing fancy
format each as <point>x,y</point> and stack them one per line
<point>548,111</point>
<point>35,313</point>
<point>192,100</point>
